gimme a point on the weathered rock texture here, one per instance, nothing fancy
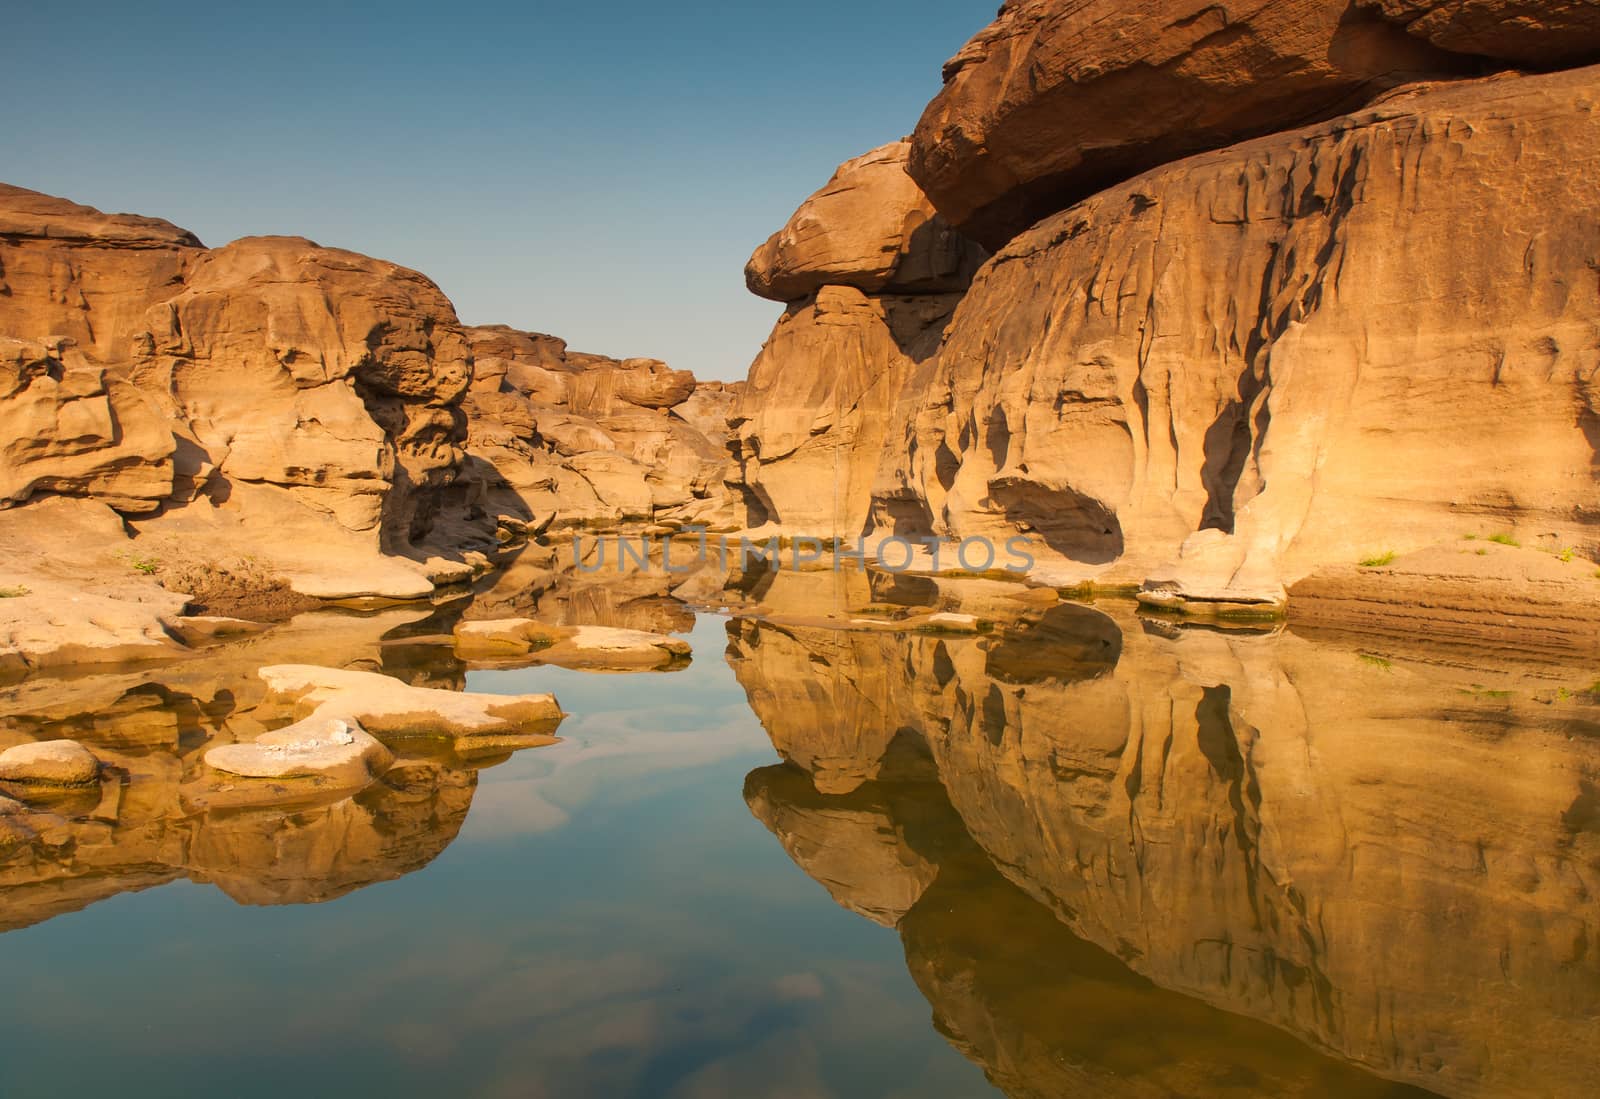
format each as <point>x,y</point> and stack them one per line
<point>301,412</point>
<point>1058,99</point>
<point>1371,335</point>
<point>302,400</point>
<point>1536,33</point>
<point>871,276</point>
<point>870,228</point>
<point>569,439</point>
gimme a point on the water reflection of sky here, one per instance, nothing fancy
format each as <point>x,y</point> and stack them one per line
<point>610,921</point>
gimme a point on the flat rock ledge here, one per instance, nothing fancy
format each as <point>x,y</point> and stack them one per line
<point>386,707</point>
<point>49,763</point>
<point>335,748</point>
<point>522,641</point>
<point>336,752</point>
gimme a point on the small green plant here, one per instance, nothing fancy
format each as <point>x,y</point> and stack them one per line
<point>1567,555</point>
<point>1379,561</point>
<point>1562,694</point>
<point>1505,540</point>
<point>1471,537</point>
<point>1375,661</point>
<point>16,592</point>
<point>1478,691</point>
<point>1483,553</point>
<point>146,565</point>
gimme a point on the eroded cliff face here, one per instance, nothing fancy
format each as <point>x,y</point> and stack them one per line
<point>1377,333</point>
<point>871,276</point>
<point>274,412</point>
<point>1217,377</point>
<point>1385,855</point>
<point>268,389</point>
<point>582,440</point>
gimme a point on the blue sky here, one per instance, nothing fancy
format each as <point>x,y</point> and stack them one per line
<point>597,171</point>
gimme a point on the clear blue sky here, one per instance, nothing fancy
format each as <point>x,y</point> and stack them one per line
<point>599,171</point>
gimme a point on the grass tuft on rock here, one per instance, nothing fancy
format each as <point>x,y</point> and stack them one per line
<point>1379,561</point>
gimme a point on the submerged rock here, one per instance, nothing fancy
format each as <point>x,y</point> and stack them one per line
<point>49,763</point>
<point>524,641</point>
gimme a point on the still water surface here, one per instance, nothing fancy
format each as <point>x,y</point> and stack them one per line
<point>1084,855</point>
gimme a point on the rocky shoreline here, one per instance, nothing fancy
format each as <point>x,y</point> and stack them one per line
<point>1234,307</point>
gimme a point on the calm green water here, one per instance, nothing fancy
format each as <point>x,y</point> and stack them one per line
<point>1083,856</point>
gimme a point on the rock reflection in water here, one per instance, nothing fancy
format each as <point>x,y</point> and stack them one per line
<point>153,818</point>
<point>1392,860</point>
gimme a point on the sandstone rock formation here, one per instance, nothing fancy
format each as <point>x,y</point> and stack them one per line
<point>49,763</point>
<point>388,708</point>
<point>870,228</point>
<point>298,400</point>
<point>1539,34</point>
<point>334,753</point>
<point>568,439</point>
<point>871,276</point>
<point>1058,99</point>
<point>292,419</point>
<point>1298,352</point>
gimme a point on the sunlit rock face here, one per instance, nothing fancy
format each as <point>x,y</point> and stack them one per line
<point>1388,858</point>
<point>870,227</point>
<point>1058,99</point>
<point>271,397</point>
<point>568,439</point>
<point>1236,369</point>
<point>871,276</point>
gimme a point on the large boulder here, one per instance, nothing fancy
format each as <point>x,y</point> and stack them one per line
<point>1302,351</point>
<point>870,227</point>
<point>1058,99</point>
<point>1538,34</point>
<point>49,763</point>
<point>330,374</point>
